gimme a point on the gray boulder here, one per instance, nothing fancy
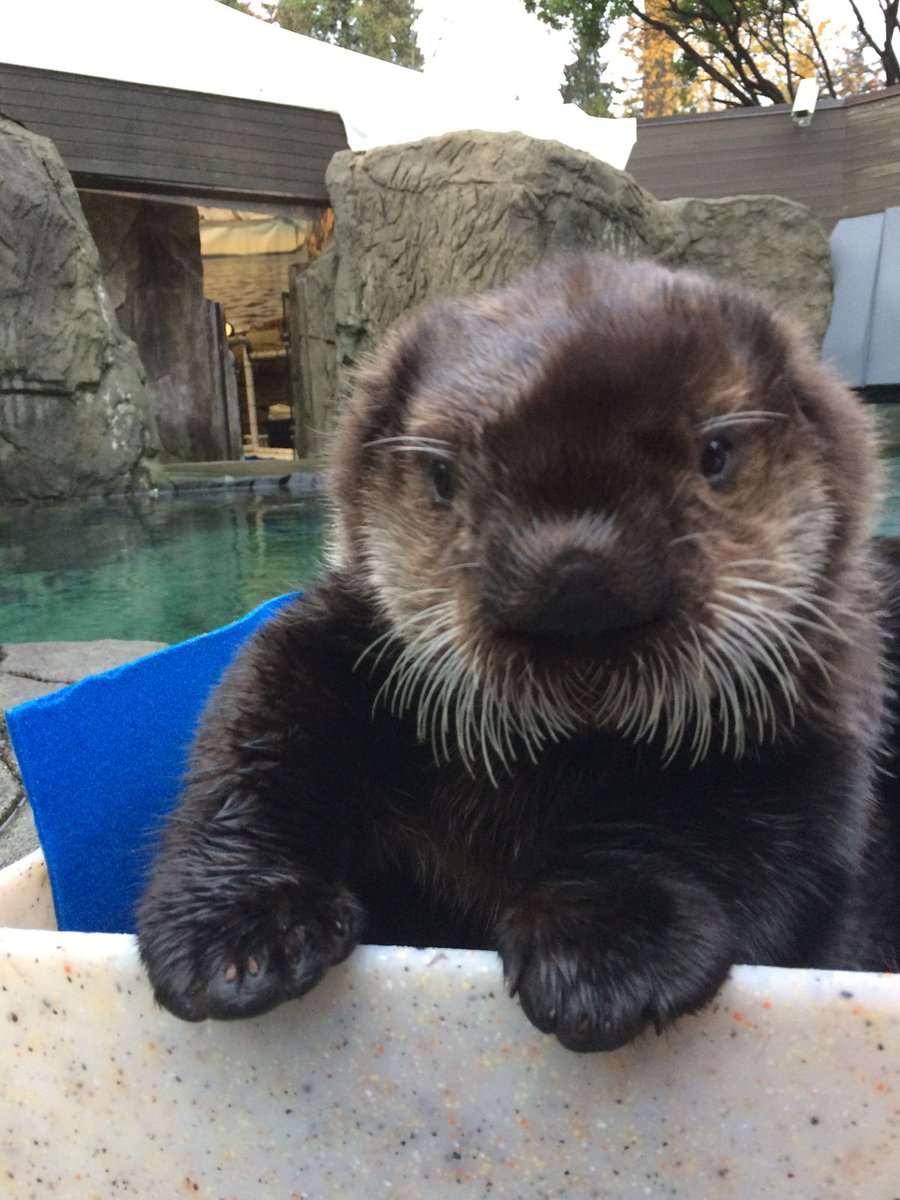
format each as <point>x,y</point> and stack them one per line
<point>472,210</point>
<point>469,211</point>
<point>773,245</point>
<point>73,412</point>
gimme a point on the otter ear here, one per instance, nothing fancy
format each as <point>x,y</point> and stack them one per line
<point>376,409</point>
<point>378,404</point>
<point>386,382</point>
<point>843,428</point>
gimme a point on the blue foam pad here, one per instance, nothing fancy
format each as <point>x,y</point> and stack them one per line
<point>102,762</point>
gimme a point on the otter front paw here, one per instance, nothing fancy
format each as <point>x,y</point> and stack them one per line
<point>239,956</point>
<point>597,974</point>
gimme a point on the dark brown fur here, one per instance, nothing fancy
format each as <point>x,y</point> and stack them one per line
<point>596,678</point>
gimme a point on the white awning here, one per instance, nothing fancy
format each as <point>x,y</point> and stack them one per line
<point>202,46</point>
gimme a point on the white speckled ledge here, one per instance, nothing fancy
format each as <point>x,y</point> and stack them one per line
<point>412,1074</point>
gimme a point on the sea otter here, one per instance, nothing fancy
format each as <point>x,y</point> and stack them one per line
<point>596,677</point>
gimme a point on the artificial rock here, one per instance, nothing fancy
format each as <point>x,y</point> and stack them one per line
<point>74,417</point>
<point>468,211</point>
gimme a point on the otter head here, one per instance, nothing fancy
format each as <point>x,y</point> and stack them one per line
<point>612,497</point>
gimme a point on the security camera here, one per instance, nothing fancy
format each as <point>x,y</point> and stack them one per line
<point>805,102</point>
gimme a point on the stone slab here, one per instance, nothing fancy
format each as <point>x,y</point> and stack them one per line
<point>65,662</point>
<point>29,670</point>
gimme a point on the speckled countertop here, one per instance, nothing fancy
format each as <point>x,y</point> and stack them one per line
<point>412,1074</point>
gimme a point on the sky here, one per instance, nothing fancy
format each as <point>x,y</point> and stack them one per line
<point>500,47</point>
<point>495,47</point>
<point>517,56</point>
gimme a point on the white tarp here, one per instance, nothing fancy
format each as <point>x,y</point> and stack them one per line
<point>200,45</point>
<point>248,233</point>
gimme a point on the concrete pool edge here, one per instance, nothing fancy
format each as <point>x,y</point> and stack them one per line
<point>412,1074</point>
<point>255,476</point>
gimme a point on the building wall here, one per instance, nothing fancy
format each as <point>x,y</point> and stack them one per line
<point>872,155</point>
<point>846,163</point>
<point>129,136</point>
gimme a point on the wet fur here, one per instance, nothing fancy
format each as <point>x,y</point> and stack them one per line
<point>567,691</point>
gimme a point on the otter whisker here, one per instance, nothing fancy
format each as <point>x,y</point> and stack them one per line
<point>410,593</point>
<point>419,662</point>
<point>745,670</point>
<point>798,600</point>
<point>496,722</point>
<point>488,738</point>
<point>785,628</point>
<point>727,681</point>
<point>754,625</point>
<point>449,676</point>
<point>759,697</point>
<point>692,703</point>
<point>441,668</point>
<point>697,536</point>
<point>717,664</point>
<point>508,691</point>
<point>652,706</point>
<point>677,698</point>
<point>759,648</point>
<point>530,685</point>
<point>410,441</point>
<point>392,635</point>
<point>438,649</point>
<point>750,648</point>
<point>456,681</point>
<point>796,581</point>
<point>740,417</point>
<point>465,705</point>
<point>430,451</point>
<point>414,656</point>
<point>702,739</point>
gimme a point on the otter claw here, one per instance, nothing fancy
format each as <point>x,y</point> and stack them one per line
<point>255,957</point>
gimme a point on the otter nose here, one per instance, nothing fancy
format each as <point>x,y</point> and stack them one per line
<point>584,597</point>
<point>579,603</point>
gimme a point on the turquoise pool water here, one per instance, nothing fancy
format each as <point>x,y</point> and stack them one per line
<point>890,516</point>
<point>169,568</point>
<point>150,569</point>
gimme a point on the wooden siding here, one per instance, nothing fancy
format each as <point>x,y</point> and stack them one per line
<point>846,163</point>
<point>873,155</point>
<point>133,137</point>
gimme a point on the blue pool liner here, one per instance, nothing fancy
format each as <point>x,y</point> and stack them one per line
<point>102,763</point>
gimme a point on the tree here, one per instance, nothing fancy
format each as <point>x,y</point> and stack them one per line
<point>380,28</point>
<point>584,86</point>
<point>750,51</point>
<point>886,49</point>
<point>663,87</point>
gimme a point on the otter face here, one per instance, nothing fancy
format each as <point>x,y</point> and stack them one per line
<point>612,497</point>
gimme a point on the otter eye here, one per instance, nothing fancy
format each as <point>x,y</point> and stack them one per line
<point>715,459</point>
<point>441,474</point>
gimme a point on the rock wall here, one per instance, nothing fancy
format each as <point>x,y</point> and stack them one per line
<point>468,211</point>
<point>150,256</point>
<point>774,245</point>
<point>74,413</point>
<point>313,358</point>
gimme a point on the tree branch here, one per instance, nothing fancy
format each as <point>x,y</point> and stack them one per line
<point>886,53</point>
<point>750,83</point>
